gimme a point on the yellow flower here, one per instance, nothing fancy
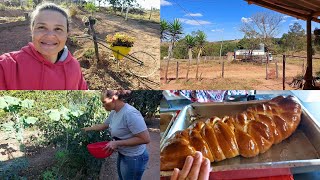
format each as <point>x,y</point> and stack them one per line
<point>120,39</point>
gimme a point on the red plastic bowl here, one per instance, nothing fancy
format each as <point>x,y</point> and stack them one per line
<point>96,149</point>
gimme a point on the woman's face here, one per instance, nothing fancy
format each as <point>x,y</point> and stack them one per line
<point>108,103</point>
<point>49,33</point>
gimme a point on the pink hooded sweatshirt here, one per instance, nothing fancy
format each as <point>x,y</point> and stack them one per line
<point>27,69</point>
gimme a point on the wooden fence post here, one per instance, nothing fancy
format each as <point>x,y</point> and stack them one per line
<point>283,71</point>
<point>94,38</point>
<point>302,66</point>
<point>222,69</point>
<point>177,72</point>
<point>267,77</point>
<point>277,70</point>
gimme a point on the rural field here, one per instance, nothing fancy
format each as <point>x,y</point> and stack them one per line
<point>15,33</point>
<point>237,75</point>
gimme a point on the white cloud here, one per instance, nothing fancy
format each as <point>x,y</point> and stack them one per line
<point>295,20</point>
<point>246,20</point>
<point>217,30</point>
<point>282,21</point>
<point>194,14</point>
<point>165,3</point>
<point>149,4</point>
<point>290,24</point>
<point>285,17</point>
<point>194,22</point>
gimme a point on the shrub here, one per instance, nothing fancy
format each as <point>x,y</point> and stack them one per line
<point>73,10</point>
<point>2,7</point>
<point>10,170</point>
<point>90,7</point>
<point>89,53</point>
<point>63,128</point>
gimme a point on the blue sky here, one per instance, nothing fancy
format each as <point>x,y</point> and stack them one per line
<point>219,19</point>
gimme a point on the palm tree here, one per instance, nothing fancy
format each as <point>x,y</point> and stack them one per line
<point>175,29</point>
<point>191,42</point>
<point>164,26</point>
<point>201,39</point>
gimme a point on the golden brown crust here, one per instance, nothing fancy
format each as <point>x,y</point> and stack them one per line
<point>247,134</point>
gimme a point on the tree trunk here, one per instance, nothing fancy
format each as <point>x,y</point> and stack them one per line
<point>167,67</point>
<point>198,60</point>
<point>150,13</point>
<point>127,13</point>
<point>190,58</point>
<point>122,7</point>
<point>267,77</point>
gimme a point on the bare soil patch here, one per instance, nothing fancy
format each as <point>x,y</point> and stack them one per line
<point>236,76</point>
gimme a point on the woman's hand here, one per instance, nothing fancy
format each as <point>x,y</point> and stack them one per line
<point>111,146</point>
<point>193,168</point>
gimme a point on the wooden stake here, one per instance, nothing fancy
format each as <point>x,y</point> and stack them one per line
<point>177,71</point>
<point>283,72</point>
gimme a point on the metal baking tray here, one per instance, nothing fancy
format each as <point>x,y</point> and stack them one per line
<point>166,121</point>
<point>300,152</point>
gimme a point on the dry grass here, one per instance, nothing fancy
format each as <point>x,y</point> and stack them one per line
<point>11,19</point>
<point>301,61</point>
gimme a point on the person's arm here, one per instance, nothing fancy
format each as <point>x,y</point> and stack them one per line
<point>140,138</point>
<point>3,85</point>
<point>96,127</point>
<point>83,84</point>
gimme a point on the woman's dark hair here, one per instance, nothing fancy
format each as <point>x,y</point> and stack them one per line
<point>122,94</point>
<point>51,7</point>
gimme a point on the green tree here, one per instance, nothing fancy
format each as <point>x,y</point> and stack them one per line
<point>91,7</point>
<point>295,39</point>
<point>190,42</point>
<point>164,27</point>
<point>175,30</point>
<point>200,40</point>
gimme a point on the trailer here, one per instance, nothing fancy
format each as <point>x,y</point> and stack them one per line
<point>254,55</point>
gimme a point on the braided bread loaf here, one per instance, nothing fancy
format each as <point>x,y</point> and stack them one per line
<point>247,134</point>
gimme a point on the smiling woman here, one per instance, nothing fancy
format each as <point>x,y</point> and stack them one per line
<point>45,63</point>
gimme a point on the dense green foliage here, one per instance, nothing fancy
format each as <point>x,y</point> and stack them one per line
<point>59,119</point>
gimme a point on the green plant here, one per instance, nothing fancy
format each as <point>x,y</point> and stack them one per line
<point>48,175</point>
<point>318,74</point>
<point>16,122</point>
<point>2,7</point>
<point>10,170</point>
<point>64,129</point>
<point>30,3</point>
<point>73,40</point>
<point>147,102</point>
<point>90,7</point>
<point>73,11</point>
<point>89,53</point>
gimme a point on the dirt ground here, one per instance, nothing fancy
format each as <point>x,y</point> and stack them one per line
<point>236,76</point>
<point>99,75</point>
